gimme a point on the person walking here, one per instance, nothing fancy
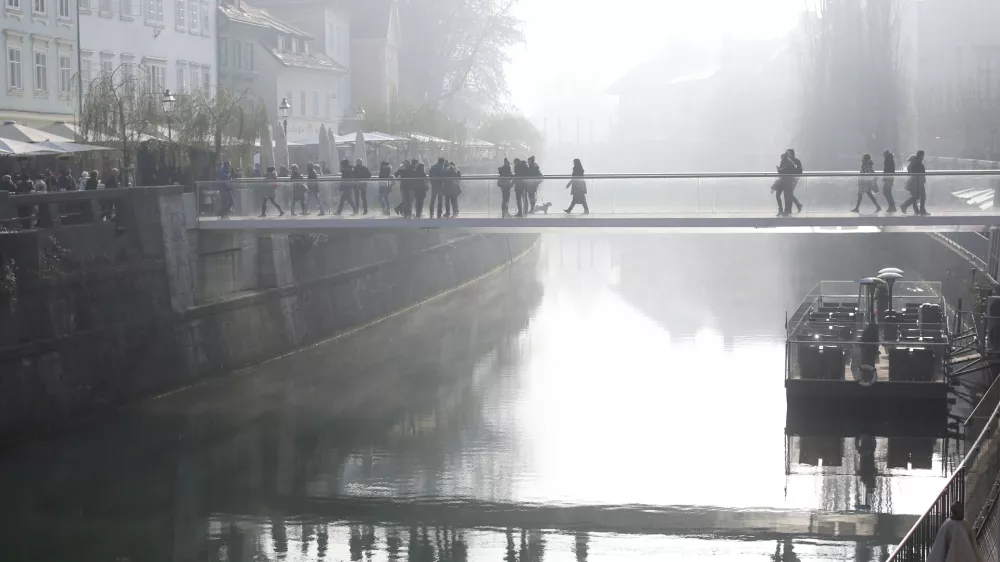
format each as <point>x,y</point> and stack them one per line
<point>867,185</point>
<point>313,189</point>
<point>404,173</point>
<point>384,186</point>
<point>298,191</point>
<point>785,168</point>
<point>454,186</point>
<point>505,183</point>
<point>888,179</point>
<point>578,188</point>
<point>346,188</point>
<point>956,539</point>
<point>437,174</point>
<point>793,182</point>
<point>270,189</point>
<point>226,190</point>
<point>520,186</point>
<point>362,174</point>
<point>419,188</point>
<point>916,184</point>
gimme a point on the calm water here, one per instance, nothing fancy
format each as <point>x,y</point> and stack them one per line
<point>609,398</point>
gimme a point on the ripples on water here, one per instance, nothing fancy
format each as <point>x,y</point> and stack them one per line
<point>610,398</point>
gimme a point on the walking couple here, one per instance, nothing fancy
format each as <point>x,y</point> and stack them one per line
<point>789,168</point>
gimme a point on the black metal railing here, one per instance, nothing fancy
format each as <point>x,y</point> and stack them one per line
<point>973,483</point>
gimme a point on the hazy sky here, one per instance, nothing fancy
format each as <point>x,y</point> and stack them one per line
<point>576,48</point>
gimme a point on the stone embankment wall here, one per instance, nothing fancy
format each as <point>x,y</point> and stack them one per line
<point>93,316</point>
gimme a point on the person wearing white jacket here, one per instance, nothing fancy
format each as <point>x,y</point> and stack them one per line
<point>956,541</point>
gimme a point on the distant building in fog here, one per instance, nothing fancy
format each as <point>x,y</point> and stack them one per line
<point>690,109</point>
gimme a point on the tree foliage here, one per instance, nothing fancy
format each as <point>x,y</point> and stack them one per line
<point>226,123</point>
<point>457,49</point>
<point>960,121</point>
<point>120,110</point>
<point>852,79</point>
<point>507,129</point>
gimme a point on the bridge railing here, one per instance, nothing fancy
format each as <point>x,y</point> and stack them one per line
<point>678,194</point>
<point>972,483</point>
<point>49,210</point>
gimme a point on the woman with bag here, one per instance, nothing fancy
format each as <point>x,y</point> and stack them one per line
<point>867,185</point>
<point>578,188</point>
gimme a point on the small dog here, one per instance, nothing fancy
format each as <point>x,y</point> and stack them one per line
<point>542,208</point>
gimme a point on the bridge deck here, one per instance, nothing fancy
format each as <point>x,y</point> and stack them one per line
<point>956,201</point>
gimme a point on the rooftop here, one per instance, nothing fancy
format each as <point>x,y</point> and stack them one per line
<point>249,15</point>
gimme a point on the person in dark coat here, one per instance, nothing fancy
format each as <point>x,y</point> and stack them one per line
<point>454,187</point>
<point>362,174</point>
<point>889,179</point>
<point>65,182</point>
<point>112,180</point>
<point>92,181</point>
<point>535,172</point>
<point>312,188</point>
<point>437,174</point>
<point>520,186</point>
<point>419,188</point>
<point>785,169</point>
<point>916,184</point>
<point>405,173</point>
<point>867,185</point>
<point>268,192</point>
<point>346,188</point>
<point>384,186</point>
<point>793,181</point>
<point>578,188</point>
<point>298,191</point>
<point>505,183</point>
<point>7,184</point>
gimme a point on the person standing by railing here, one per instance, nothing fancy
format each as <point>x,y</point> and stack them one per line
<point>454,186</point>
<point>520,184</point>
<point>535,172</point>
<point>362,174</point>
<point>419,188</point>
<point>438,196</point>
<point>384,186</point>
<point>505,183</point>
<point>226,190</point>
<point>956,540</point>
<point>889,179</point>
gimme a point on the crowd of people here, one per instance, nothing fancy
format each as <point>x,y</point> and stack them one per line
<point>790,168</point>
<point>50,182</point>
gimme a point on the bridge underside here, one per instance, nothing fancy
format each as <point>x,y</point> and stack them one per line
<point>817,222</point>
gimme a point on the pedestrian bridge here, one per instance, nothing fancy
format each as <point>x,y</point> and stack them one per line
<point>955,201</point>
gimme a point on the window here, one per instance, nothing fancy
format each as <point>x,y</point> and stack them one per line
<point>65,74</point>
<point>181,78</point>
<point>38,6</point>
<point>248,59</point>
<point>206,79</point>
<point>315,104</point>
<point>64,9</point>
<point>281,43</point>
<point>84,5</point>
<point>14,68</point>
<point>223,51</point>
<point>154,11</point>
<point>157,76</point>
<point>302,103</point>
<point>238,53</point>
<point>128,69</point>
<point>126,8</point>
<point>195,76</point>
<point>206,14</point>
<point>41,72</point>
<point>295,44</point>
<point>179,11</point>
<point>107,67</point>
<point>105,7</point>
<point>13,4</point>
<point>85,72</point>
<point>193,20</point>
<point>329,105</point>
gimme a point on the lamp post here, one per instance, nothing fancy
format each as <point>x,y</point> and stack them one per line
<point>167,102</point>
<point>284,109</point>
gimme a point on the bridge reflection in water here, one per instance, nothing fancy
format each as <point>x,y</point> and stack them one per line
<point>722,202</point>
<point>554,411</point>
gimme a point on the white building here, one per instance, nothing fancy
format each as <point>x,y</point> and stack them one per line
<point>174,40</point>
<point>273,60</point>
<point>39,61</point>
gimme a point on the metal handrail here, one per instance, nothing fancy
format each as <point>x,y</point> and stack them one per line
<point>734,175</point>
<point>959,472</point>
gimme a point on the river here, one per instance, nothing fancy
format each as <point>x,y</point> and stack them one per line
<point>610,397</point>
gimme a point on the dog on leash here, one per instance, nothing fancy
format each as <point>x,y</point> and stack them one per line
<point>542,208</point>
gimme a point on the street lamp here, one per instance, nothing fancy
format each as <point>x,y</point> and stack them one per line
<point>284,109</point>
<point>167,102</point>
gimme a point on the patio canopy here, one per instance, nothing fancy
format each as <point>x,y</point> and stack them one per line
<point>15,131</point>
<point>63,129</point>
<point>372,137</point>
<point>70,147</point>
<point>10,147</point>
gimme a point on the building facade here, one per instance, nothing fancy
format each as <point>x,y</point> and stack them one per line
<point>40,61</point>
<point>264,57</point>
<point>174,41</point>
<point>375,43</point>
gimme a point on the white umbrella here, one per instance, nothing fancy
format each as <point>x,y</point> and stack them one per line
<point>12,130</point>
<point>323,151</point>
<point>10,147</point>
<point>266,148</point>
<point>359,147</point>
<point>70,147</point>
<point>280,148</point>
<point>63,129</point>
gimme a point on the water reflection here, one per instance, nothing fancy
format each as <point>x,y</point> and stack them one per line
<point>610,398</point>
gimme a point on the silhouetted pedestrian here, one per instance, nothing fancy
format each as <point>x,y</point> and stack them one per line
<point>437,174</point>
<point>270,188</point>
<point>405,175</point>
<point>793,181</point>
<point>313,188</point>
<point>578,188</point>
<point>419,188</point>
<point>454,187</point>
<point>346,187</point>
<point>916,184</point>
<point>889,179</point>
<point>362,174</point>
<point>867,185</point>
<point>534,172</point>
<point>505,183</point>
<point>785,168</point>
<point>520,186</point>
<point>384,186</point>
<point>298,191</point>
<point>226,190</point>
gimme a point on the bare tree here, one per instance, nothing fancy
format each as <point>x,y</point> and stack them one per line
<point>227,122</point>
<point>121,109</point>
